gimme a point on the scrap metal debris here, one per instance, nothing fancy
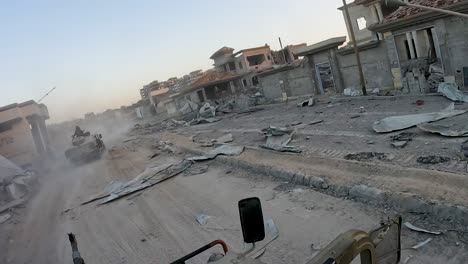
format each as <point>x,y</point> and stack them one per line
<point>450,90</point>
<point>432,159</point>
<point>402,139</point>
<point>417,229</point>
<point>278,139</point>
<point>422,244</point>
<point>448,131</point>
<point>316,122</point>
<point>395,123</point>
<point>202,219</point>
<point>366,156</point>
<point>227,150</point>
<point>150,177</point>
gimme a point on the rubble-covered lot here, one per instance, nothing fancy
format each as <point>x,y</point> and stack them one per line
<point>165,189</point>
<point>346,128</point>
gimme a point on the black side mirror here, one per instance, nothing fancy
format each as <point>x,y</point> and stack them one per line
<point>251,218</point>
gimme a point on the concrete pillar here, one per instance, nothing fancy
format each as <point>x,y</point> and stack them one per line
<point>378,6</point>
<point>419,52</point>
<point>436,43</point>
<point>37,136</point>
<point>44,134</point>
<point>336,71</point>
<point>410,44</point>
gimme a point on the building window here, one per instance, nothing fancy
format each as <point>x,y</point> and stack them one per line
<point>362,23</point>
<point>268,57</point>
<point>232,66</point>
<point>255,80</point>
<point>240,65</point>
<point>255,60</point>
<point>244,81</point>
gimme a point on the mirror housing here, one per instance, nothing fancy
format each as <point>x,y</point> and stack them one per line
<point>251,218</point>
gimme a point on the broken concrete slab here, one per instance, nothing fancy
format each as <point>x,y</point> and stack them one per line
<point>224,139</point>
<point>227,150</point>
<point>207,111</point>
<point>448,131</point>
<point>450,90</point>
<point>196,169</point>
<point>395,123</point>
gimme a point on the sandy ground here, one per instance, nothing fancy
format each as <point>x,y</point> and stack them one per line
<point>159,225</point>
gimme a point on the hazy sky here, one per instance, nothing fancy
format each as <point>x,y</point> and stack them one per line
<point>100,53</point>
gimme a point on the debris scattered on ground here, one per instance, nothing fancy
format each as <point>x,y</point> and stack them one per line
<point>370,142</point>
<point>399,144</point>
<point>351,91</point>
<point>450,90</point>
<point>207,111</point>
<point>202,219</point>
<point>4,218</point>
<point>309,103</point>
<point>422,244</point>
<point>436,77</point>
<point>402,139</point>
<point>206,144</point>
<point>405,136</point>
<point>11,204</point>
<point>228,171</point>
<point>227,150</point>
<point>366,156</point>
<point>420,102</point>
<point>432,159</point>
<point>448,131</point>
<point>151,176</point>
<point>395,123</point>
<point>417,229</point>
<point>355,116</point>
<point>295,123</point>
<point>278,138</point>
<point>408,258</point>
<point>315,122</point>
<point>196,169</point>
<point>154,155</point>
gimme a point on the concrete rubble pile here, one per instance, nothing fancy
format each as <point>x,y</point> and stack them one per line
<point>15,183</point>
<point>435,78</point>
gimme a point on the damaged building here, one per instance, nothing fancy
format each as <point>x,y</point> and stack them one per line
<point>426,47</point>
<point>23,132</point>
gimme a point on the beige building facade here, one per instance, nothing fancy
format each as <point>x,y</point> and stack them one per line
<point>23,132</point>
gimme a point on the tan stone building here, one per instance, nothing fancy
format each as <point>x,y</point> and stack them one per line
<point>23,132</point>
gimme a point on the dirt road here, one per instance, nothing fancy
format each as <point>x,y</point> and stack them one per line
<point>159,225</point>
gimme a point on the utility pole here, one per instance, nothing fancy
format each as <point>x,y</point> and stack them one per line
<point>282,50</point>
<point>356,50</point>
<point>46,94</point>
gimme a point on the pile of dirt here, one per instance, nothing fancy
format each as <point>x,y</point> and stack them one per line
<point>432,159</point>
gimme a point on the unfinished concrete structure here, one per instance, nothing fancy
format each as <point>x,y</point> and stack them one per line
<point>23,132</point>
<point>426,47</point>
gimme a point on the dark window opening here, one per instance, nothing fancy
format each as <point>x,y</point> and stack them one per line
<point>256,59</point>
<point>465,77</point>
<point>232,66</point>
<point>268,57</point>
<point>240,66</point>
<point>414,48</point>
<point>200,96</point>
<point>407,48</point>
<point>255,80</point>
<point>244,81</point>
<point>432,49</point>
<point>225,67</point>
